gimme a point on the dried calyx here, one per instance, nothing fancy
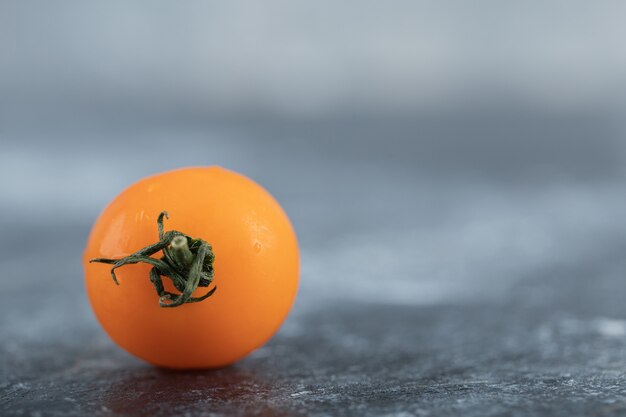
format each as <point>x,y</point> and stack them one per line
<point>186,261</point>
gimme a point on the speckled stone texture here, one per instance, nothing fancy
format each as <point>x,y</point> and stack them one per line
<point>358,359</point>
<point>438,278</point>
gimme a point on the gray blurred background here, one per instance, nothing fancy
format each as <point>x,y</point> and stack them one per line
<point>431,155</point>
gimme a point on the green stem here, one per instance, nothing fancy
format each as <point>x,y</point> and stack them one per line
<point>181,252</point>
<point>186,261</point>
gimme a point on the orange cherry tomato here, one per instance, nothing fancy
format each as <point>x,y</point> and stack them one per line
<point>255,269</point>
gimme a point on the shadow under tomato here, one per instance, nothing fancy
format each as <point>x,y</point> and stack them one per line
<point>157,392</point>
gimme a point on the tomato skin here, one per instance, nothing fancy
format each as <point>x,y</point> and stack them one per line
<point>256,268</point>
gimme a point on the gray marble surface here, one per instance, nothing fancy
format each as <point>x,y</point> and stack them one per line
<point>439,276</point>
<point>358,359</point>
